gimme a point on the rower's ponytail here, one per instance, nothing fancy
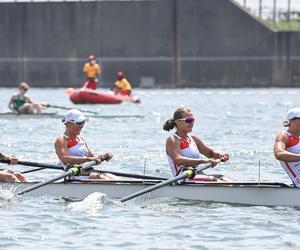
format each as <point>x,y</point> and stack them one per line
<point>169,124</point>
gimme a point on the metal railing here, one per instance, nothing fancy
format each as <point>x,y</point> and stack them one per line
<point>273,10</point>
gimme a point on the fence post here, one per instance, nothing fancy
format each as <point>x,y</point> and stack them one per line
<point>274,11</point>
<point>289,11</point>
<point>260,9</point>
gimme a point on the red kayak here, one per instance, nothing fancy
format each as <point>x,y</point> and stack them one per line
<point>85,95</point>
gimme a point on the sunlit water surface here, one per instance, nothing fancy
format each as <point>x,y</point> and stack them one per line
<point>242,122</point>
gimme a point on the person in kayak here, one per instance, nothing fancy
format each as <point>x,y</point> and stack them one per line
<point>287,146</point>
<point>185,150</point>
<point>11,176</point>
<point>71,148</point>
<point>92,70</point>
<point>21,103</point>
<point>122,85</point>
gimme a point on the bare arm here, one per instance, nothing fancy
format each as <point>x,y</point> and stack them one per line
<point>103,157</point>
<point>208,152</point>
<point>173,150</point>
<point>28,99</point>
<point>10,104</point>
<point>99,70</point>
<point>63,154</point>
<point>280,151</point>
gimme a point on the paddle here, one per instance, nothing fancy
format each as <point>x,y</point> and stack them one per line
<point>67,108</point>
<point>189,173</point>
<point>75,170</point>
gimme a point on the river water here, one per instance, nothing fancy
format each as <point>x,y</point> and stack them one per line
<point>242,122</point>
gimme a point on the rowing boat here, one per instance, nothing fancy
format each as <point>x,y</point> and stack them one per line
<point>247,193</point>
<point>61,115</point>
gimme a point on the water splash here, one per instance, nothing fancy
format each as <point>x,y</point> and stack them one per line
<point>91,204</point>
<point>6,194</point>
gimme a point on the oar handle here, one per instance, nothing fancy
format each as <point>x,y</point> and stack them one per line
<point>7,161</point>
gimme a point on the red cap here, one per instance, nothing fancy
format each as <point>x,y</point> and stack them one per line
<point>91,58</point>
<point>120,75</point>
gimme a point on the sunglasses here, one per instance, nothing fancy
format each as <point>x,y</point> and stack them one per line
<point>77,123</point>
<point>25,89</point>
<point>80,123</point>
<point>189,120</point>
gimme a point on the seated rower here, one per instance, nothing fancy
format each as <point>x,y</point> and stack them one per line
<point>184,149</point>
<point>20,103</point>
<point>72,149</point>
<point>122,85</point>
<point>287,146</point>
<point>11,176</point>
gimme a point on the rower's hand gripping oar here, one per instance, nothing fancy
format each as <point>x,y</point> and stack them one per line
<point>189,173</point>
<point>73,171</point>
<point>67,108</point>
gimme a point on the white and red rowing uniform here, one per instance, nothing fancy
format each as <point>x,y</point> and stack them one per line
<point>189,149</point>
<point>76,147</point>
<point>292,168</point>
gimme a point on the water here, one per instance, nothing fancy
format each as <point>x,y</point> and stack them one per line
<point>242,122</point>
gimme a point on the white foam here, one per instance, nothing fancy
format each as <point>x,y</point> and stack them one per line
<point>92,203</point>
<point>6,194</point>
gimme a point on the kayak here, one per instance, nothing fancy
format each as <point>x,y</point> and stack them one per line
<point>85,95</point>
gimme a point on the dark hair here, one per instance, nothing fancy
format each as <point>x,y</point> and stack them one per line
<point>170,123</point>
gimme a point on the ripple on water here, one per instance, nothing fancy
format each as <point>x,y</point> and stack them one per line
<point>242,122</point>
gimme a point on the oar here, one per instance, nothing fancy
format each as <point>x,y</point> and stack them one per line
<point>34,164</point>
<point>31,170</point>
<point>138,176</point>
<point>189,173</point>
<point>75,170</point>
<point>59,167</point>
<point>67,108</point>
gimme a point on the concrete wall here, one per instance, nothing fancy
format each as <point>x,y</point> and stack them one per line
<point>203,43</point>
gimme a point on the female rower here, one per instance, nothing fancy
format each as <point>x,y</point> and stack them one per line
<point>184,149</point>
<point>287,146</point>
<point>20,103</point>
<point>11,176</point>
<point>71,148</point>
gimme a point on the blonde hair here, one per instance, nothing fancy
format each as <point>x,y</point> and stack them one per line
<point>23,85</point>
<point>286,123</point>
<point>170,123</point>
